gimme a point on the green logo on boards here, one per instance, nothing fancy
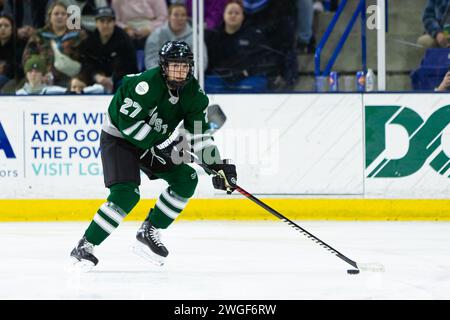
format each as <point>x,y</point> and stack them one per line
<point>424,137</point>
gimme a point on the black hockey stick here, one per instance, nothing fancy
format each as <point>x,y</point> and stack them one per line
<point>375,267</point>
<point>358,266</point>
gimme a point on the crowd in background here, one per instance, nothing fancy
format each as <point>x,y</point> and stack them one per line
<point>436,23</point>
<point>250,45</point>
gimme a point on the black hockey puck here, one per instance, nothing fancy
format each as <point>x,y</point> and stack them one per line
<point>353,271</point>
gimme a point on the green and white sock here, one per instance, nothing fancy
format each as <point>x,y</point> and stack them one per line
<point>105,221</point>
<point>167,209</point>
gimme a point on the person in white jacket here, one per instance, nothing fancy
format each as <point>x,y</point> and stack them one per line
<point>177,28</point>
<point>35,68</point>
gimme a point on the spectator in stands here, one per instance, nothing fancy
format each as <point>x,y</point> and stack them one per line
<point>318,6</point>
<point>305,36</point>
<point>213,10</point>
<point>58,44</point>
<point>29,15</point>
<point>436,20</point>
<point>139,18</point>
<point>445,84</point>
<point>88,9</point>
<point>108,54</point>
<point>277,20</point>
<point>35,68</point>
<point>11,49</point>
<point>177,28</point>
<point>78,85</point>
<point>238,54</point>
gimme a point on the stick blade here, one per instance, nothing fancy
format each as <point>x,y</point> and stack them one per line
<point>371,267</point>
<point>216,117</point>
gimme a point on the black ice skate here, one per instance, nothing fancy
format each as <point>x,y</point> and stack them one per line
<point>83,255</point>
<point>149,245</point>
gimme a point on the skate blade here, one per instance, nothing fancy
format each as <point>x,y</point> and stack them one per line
<point>81,265</point>
<point>144,252</point>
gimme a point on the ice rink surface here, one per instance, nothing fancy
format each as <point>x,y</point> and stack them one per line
<point>231,260</point>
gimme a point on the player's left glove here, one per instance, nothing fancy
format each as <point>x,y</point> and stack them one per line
<point>227,176</point>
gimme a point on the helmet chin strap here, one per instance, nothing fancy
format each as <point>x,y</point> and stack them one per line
<point>174,85</point>
<point>171,86</point>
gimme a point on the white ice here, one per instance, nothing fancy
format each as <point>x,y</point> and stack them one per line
<point>231,260</point>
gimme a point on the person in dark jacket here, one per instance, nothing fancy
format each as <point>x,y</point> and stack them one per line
<point>29,15</point>
<point>11,49</point>
<point>436,21</point>
<point>445,84</point>
<point>277,20</point>
<point>238,54</point>
<point>108,54</point>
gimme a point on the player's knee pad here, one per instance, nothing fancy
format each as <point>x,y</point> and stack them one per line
<point>185,186</point>
<point>124,195</point>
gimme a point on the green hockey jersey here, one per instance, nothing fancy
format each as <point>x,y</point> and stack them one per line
<point>144,112</point>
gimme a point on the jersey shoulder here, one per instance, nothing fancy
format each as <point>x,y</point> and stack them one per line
<point>144,84</point>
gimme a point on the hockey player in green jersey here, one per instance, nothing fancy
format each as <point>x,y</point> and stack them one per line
<point>140,133</point>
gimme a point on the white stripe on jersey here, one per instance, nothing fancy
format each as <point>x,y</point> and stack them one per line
<point>143,132</point>
<point>130,130</point>
<point>202,145</point>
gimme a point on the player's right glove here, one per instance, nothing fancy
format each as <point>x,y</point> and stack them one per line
<point>226,178</point>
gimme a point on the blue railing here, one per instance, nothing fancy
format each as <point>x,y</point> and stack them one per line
<point>360,11</point>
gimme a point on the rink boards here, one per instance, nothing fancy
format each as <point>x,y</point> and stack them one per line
<point>328,156</point>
